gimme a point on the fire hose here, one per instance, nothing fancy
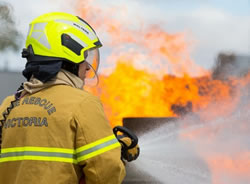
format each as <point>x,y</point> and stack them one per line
<point>129,141</point>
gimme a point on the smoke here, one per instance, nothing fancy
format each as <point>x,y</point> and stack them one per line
<point>223,142</point>
<point>15,17</point>
<point>210,146</point>
<point>9,35</point>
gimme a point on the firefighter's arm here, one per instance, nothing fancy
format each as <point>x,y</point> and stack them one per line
<point>98,150</point>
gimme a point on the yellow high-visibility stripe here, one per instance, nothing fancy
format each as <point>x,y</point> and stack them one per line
<point>42,149</point>
<point>60,154</point>
<point>93,144</point>
<point>98,152</point>
<point>96,148</point>
<point>38,153</point>
<point>38,158</point>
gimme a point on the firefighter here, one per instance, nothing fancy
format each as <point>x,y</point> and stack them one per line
<point>52,130</point>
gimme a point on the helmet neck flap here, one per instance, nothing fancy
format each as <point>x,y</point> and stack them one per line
<point>45,68</point>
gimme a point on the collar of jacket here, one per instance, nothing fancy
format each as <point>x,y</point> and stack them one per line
<point>63,77</point>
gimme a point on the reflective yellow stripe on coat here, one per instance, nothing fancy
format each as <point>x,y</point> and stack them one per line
<point>97,148</point>
<point>59,154</point>
<point>38,153</point>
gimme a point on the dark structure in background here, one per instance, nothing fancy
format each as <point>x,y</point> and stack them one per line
<point>231,65</point>
<point>141,125</point>
<point>227,67</point>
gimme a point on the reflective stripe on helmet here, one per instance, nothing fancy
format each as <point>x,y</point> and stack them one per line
<point>44,41</point>
<point>40,26</point>
<point>97,148</point>
<point>36,35</point>
<point>39,35</point>
<point>81,27</point>
<point>60,154</point>
<point>83,44</point>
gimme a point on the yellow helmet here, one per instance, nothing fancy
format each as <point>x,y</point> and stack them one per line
<point>57,37</point>
<point>62,35</point>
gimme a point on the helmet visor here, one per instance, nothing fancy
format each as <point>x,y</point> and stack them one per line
<point>93,59</point>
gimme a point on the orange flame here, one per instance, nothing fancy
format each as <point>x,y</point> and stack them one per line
<point>130,92</point>
<point>155,78</point>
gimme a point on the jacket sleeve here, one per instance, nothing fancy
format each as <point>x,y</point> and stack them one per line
<point>97,149</point>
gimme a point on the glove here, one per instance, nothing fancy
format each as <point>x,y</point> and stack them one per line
<point>129,154</point>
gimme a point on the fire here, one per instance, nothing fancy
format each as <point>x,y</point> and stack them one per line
<point>149,74</point>
<point>135,82</point>
<point>129,92</point>
<point>155,76</point>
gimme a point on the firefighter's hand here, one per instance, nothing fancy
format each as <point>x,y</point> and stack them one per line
<point>129,154</point>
